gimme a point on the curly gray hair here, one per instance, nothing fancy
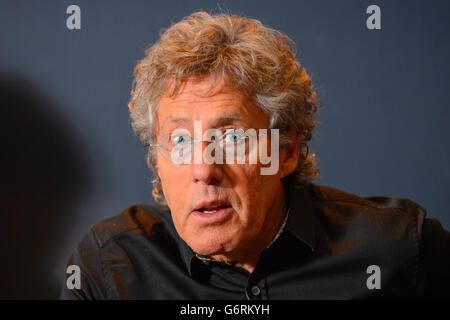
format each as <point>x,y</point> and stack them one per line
<point>259,60</point>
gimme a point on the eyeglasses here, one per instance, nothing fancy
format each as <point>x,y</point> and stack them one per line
<point>179,146</point>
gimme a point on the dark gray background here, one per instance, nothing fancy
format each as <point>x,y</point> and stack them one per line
<point>70,158</point>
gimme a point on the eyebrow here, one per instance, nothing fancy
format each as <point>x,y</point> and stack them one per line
<point>227,119</point>
<point>219,121</point>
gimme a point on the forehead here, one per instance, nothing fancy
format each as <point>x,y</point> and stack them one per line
<point>202,99</point>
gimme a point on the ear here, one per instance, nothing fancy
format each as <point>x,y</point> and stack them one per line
<point>290,154</point>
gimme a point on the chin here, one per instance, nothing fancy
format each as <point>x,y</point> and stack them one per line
<point>210,244</point>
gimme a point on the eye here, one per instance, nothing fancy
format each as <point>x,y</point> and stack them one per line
<point>234,137</point>
<point>180,139</point>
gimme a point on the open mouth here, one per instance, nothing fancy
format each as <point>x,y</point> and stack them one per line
<point>212,210</point>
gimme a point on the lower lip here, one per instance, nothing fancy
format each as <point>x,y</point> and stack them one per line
<point>217,216</point>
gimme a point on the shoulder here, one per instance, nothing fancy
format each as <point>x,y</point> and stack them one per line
<point>322,193</point>
<point>109,241</point>
<point>140,218</point>
<point>377,230</point>
<point>393,233</point>
<point>384,214</point>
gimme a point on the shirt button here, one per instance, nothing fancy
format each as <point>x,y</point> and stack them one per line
<point>255,290</point>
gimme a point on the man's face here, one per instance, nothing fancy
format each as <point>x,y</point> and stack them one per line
<point>217,209</point>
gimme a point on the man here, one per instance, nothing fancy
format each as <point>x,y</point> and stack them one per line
<point>227,111</point>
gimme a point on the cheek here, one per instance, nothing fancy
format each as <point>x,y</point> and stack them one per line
<point>172,180</point>
<point>254,178</point>
<point>175,195</point>
<point>253,189</point>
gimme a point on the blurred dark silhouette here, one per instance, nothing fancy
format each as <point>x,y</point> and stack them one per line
<point>43,174</point>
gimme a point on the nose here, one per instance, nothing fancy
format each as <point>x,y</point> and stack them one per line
<point>207,173</point>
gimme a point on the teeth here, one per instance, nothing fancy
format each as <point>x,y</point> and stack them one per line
<point>209,211</point>
<point>212,210</point>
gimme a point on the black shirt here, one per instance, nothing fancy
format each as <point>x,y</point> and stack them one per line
<point>334,245</point>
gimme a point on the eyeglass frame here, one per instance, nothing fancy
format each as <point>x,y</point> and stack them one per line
<point>216,140</point>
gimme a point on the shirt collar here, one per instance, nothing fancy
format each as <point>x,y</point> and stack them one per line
<point>300,222</point>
